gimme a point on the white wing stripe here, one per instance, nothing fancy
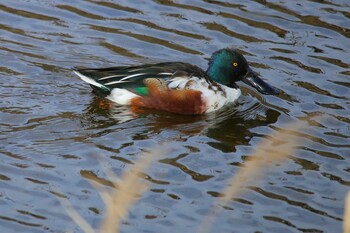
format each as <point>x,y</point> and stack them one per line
<point>111,76</point>
<point>123,79</point>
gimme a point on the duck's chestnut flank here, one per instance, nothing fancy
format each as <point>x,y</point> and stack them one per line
<point>184,101</point>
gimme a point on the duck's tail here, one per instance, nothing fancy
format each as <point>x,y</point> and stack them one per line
<point>95,85</point>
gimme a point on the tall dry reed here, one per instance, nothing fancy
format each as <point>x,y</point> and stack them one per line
<point>346,220</point>
<point>272,149</point>
<point>120,199</point>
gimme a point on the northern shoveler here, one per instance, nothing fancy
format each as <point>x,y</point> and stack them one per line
<point>176,86</point>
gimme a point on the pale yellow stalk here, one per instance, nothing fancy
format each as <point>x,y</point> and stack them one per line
<point>346,220</point>
<point>270,151</point>
<point>119,200</point>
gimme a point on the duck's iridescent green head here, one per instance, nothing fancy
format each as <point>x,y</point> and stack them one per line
<point>227,66</point>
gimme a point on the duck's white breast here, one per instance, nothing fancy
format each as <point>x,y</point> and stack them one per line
<point>214,95</point>
<point>219,96</point>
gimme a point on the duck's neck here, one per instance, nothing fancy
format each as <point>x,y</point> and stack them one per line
<point>220,74</point>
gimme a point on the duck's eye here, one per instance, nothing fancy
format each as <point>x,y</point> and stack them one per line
<point>235,64</point>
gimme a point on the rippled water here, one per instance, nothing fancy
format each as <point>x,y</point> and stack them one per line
<point>54,130</point>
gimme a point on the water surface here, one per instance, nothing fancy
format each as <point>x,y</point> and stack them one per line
<point>54,130</point>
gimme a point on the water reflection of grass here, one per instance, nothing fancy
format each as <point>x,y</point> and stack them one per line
<point>272,150</point>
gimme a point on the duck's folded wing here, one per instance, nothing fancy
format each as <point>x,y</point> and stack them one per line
<point>132,77</point>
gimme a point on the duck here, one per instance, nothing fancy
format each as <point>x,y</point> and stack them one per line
<point>177,87</point>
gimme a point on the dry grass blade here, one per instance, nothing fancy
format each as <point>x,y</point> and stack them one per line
<point>272,150</point>
<point>346,220</point>
<point>119,200</point>
<point>130,186</point>
<point>73,214</point>
<point>282,143</point>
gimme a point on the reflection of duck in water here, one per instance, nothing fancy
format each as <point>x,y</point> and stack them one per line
<point>225,129</point>
<point>175,86</point>
<point>232,127</point>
